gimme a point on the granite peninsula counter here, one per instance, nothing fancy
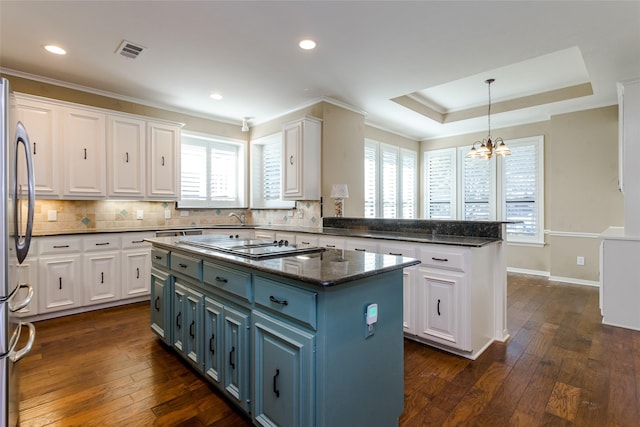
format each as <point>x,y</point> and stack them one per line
<point>307,340</point>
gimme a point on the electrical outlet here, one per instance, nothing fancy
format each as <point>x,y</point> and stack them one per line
<point>580,260</point>
<point>184,213</point>
<point>290,214</point>
<point>139,214</point>
<point>52,215</point>
<point>167,214</point>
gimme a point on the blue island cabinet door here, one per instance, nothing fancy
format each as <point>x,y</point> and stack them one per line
<point>283,358</point>
<point>236,365</point>
<point>160,315</point>
<point>213,343</point>
<point>194,303</point>
<point>179,294</point>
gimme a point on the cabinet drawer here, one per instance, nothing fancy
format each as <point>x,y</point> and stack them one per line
<point>101,242</point>
<point>228,279</point>
<point>287,300</point>
<point>186,265</point>
<point>59,245</point>
<point>443,258</point>
<point>135,240</point>
<point>160,257</point>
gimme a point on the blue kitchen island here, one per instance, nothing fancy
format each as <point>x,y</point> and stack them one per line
<point>292,336</point>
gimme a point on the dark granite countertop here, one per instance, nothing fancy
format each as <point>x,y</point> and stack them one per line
<point>416,237</point>
<point>328,268</point>
<point>456,233</point>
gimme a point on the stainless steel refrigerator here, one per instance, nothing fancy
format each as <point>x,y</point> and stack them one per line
<point>17,202</point>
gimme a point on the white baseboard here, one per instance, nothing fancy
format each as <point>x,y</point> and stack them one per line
<point>527,271</point>
<point>571,280</point>
<point>575,281</point>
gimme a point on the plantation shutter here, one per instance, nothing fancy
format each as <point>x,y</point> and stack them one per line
<point>408,183</point>
<point>389,181</point>
<point>193,171</point>
<point>223,177</point>
<point>271,165</point>
<point>478,183</point>
<point>440,188</point>
<point>520,190</point>
<point>370,181</point>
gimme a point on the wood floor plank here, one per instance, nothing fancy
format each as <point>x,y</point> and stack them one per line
<point>561,367</point>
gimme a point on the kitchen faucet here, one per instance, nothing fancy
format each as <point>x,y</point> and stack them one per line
<point>240,217</point>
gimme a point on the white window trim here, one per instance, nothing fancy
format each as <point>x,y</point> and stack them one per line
<point>401,152</point>
<point>241,200</point>
<point>500,211</point>
<point>257,200</point>
<point>538,238</point>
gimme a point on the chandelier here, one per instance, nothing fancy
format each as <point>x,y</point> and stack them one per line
<point>487,147</point>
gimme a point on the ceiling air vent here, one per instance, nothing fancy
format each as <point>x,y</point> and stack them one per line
<point>130,50</point>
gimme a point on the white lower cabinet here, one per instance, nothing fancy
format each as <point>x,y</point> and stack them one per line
<point>136,265</point>
<point>450,300</point>
<point>59,274</point>
<point>27,274</point>
<point>439,297</point>
<point>101,264</point>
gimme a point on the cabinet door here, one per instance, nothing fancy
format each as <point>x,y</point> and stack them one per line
<point>409,312</point>
<point>125,157</point>
<point>213,342</point>
<point>59,286</point>
<point>41,121</point>
<point>440,296</point>
<point>84,139</point>
<point>160,312</point>
<point>27,273</point>
<point>163,161</point>
<point>283,361</point>
<point>179,295</point>
<point>101,277</point>
<point>135,273</point>
<point>236,356</point>
<point>194,302</point>
<point>291,161</point>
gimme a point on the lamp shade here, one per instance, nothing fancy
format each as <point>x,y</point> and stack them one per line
<point>340,191</point>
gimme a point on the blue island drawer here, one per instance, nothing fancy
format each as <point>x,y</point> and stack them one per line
<point>287,300</point>
<point>228,279</point>
<point>160,257</point>
<point>186,265</point>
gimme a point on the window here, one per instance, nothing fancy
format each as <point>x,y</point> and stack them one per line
<point>212,172</point>
<point>515,183</point>
<point>478,193</point>
<point>440,180</point>
<point>390,181</point>
<point>266,173</point>
<point>523,182</point>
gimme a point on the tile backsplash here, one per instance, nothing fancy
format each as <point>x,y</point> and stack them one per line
<point>72,216</point>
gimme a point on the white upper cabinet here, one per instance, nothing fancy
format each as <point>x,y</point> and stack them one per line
<point>163,161</point>
<point>125,157</point>
<point>41,120</point>
<point>84,148</point>
<point>82,152</point>
<point>301,159</point>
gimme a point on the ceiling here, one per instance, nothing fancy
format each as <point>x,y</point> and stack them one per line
<point>416,68</point>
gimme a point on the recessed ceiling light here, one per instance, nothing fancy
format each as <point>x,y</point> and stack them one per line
<point>55,49</point>
<point>307,44</point>
<point>216,96</point>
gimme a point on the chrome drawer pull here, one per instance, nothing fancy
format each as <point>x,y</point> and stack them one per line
<point>439,259</point>
<point>221,279</point>
<point>278,301</point>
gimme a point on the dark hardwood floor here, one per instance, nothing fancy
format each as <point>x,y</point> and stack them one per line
<point>561,367</point>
